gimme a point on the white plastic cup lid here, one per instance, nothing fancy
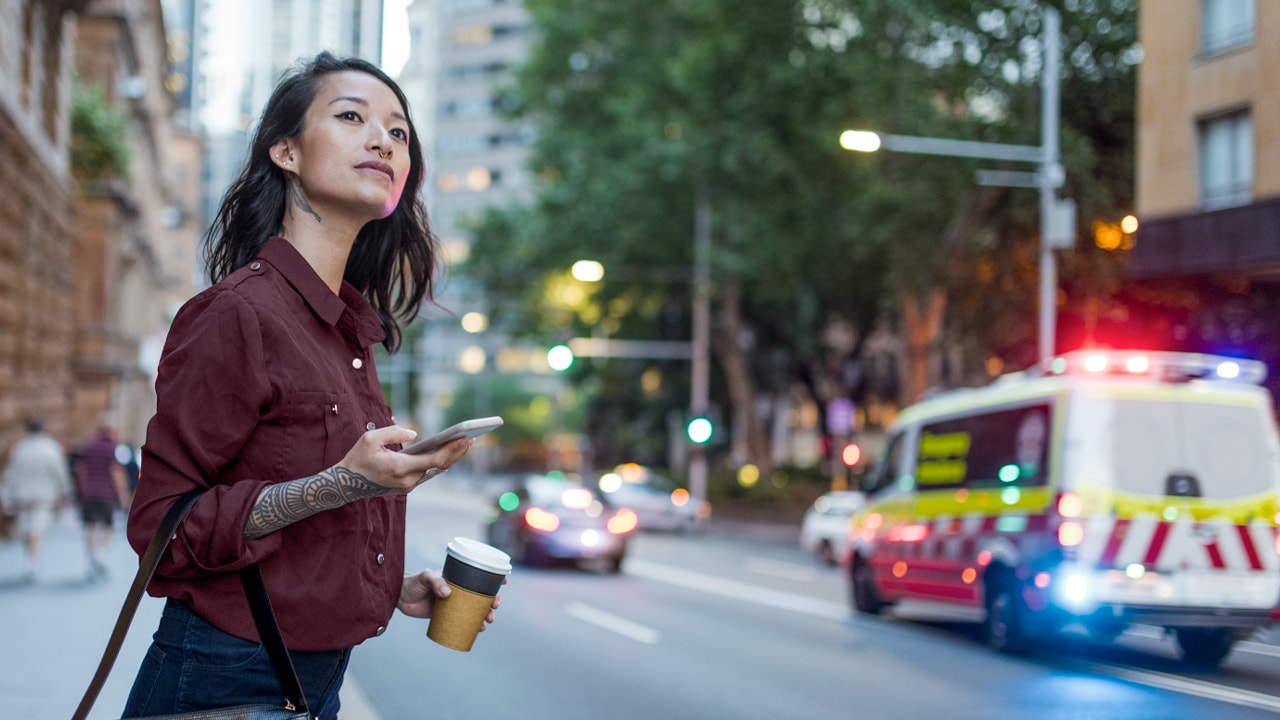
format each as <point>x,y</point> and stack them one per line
<point>481,555</point>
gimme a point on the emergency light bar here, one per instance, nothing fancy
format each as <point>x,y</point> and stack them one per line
<point>1167,366</point>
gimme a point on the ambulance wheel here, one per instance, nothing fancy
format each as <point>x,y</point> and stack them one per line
<point>865,597</point>
<point>1204,648</point>
<point>1005,618</point>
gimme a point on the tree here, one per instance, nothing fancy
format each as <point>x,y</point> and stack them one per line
<point>643,111</point>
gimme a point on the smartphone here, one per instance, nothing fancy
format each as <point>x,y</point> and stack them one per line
<point>466,428</point>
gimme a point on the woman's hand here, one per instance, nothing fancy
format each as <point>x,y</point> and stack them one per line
<point>398,472</point>
<point>419,592</point>
<point>369,469</point>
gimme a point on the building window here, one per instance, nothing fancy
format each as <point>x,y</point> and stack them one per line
<point>463,145</point>
<point>456,5</point>
<point>1226,160</point>
<point>479,71</point>
<point>1225,24</point>
<point>470,107</point>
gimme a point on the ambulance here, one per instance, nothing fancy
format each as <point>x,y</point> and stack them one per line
<point>1097,491</point>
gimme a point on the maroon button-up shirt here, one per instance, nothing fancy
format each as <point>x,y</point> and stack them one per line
<point>268,377</point>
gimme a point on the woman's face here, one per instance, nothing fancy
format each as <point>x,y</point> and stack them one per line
<point>352,157</point>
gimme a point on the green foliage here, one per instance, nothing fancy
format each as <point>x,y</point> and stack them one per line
<point>637,105</point>
<point>784,496</point>
<point>99,136</point>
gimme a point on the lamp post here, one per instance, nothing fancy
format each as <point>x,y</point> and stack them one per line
<point>1057,217</point>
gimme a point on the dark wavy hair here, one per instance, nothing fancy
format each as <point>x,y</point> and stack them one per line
<point>393,261</point>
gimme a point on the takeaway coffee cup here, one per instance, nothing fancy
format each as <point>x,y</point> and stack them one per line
<point>474,572</point>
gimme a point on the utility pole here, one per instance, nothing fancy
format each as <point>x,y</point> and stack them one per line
<point>1050,178</point>
<point>1057,217</point>
<point>700,381</point>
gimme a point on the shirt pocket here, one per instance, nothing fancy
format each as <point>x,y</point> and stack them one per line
<point>321,427</point>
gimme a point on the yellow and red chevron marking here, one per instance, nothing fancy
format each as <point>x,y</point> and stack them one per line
<point>940,553</point>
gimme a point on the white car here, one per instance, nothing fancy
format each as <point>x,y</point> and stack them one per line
<point>658,502</point>
<point>825,531</point>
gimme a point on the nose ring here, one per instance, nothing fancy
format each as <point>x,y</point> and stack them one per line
<point>384,155</point>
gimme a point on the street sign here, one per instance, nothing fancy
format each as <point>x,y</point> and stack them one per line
<point>1060,230</point>
<point>840,416</point>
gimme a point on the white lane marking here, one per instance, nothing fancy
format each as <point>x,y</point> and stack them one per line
<point>612,622</point>
<point>834,611</point>
<point>1188,686</point>
<point>355,705</point>
<point>779,569</point>
<point>737,590</point>
<point>1258,648</point>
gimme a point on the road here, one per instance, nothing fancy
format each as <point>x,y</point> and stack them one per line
<point>724,626</point>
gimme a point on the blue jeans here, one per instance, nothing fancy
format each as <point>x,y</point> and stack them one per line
<point>192,665</point>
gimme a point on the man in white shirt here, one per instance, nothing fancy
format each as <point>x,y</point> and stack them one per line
<point>37,480</point>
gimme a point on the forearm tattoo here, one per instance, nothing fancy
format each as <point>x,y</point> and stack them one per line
<point>286,503</point>
<point>301,201</point>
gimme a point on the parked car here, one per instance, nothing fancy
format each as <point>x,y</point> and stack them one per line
<point>544,519</point>
<point>825,530</point>
<point>658,502</point>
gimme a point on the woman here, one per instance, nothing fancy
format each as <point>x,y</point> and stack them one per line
<point>268,397</point>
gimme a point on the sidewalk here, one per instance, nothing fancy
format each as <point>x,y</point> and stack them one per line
<point>53,632</point>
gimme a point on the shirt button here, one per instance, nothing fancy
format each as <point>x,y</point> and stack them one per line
<point>357,363</point>
<point>255,266</point>
<point>371,426</point>
<point>381,558</point>
<point>381,629</point>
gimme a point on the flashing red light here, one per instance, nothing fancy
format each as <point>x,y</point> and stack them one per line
<point>1137,364</point>
<point>1095,363</point>
<point>1070,505</point>
<point>541,520</point>
<point>1070,534</point>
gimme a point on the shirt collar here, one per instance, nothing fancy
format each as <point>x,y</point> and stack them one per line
<point>362,321</point>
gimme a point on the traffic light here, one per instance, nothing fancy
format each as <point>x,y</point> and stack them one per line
<point>699,430</point>
<point>851,454</point>
<point>560,357</point>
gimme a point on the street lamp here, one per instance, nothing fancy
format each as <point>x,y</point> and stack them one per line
<point>1057,217</point>
<point>587,271</point>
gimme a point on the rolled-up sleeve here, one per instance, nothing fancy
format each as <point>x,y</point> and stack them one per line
<point>211,389</point>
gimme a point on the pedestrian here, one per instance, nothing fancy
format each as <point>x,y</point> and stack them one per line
<point>101,490</point>
<point>267,398</point>
<point>37,482</point>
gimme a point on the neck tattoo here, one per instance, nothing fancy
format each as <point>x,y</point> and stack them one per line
<point>301,201</point>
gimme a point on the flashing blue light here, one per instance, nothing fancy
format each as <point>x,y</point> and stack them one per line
<point>1075,588</point>
<point>1229,370</point>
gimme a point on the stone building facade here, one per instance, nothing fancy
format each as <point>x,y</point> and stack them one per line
<point>37,217</point>
<point>89,276</point>
<point>129,277</point>
<point>1208,178</point>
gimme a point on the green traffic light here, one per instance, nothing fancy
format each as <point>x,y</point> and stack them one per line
<point>560,357</point>
<point>699,430</point>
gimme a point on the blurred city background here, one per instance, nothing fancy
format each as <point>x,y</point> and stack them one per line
<point>663,250</point>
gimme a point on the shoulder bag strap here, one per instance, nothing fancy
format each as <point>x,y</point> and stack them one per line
<point>269,632</point>
<point>263,616</point>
